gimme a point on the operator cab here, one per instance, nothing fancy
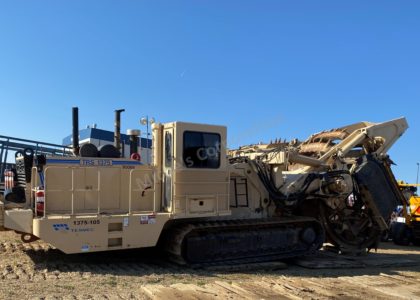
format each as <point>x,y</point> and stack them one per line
<point>195,176</point>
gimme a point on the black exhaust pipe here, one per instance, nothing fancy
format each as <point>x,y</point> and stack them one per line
<point>75,118</point>
<point>134,140</point>
<point>117,134</point>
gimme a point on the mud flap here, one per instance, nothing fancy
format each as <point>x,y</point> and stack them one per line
<point>378,188</point>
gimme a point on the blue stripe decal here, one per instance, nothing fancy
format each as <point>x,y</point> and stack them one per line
<point>117,162</point>
<point>63,161</point>
<point>77,162</point>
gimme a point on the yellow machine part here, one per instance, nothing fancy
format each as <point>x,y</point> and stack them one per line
<point>415,208</point>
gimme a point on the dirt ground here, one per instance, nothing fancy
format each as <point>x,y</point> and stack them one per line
<point>36,271</point>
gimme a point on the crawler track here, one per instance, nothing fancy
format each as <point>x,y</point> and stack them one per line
<point>248,241</point>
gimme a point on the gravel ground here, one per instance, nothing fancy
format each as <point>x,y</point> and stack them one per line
<point>36,271</point>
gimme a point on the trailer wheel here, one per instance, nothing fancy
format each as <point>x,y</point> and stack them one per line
<point>401,234</point>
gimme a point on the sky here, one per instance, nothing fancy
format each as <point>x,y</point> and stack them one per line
<point>265,68</point>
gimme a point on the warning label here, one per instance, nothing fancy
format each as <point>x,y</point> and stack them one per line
<point>151,219</point>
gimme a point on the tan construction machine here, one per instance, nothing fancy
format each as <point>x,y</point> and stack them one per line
<point>202,203</point>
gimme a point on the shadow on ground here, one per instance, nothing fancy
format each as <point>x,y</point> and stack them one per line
<point>150,261</point>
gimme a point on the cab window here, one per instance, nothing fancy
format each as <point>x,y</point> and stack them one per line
<point>168,149</point>
<point>201,150</point>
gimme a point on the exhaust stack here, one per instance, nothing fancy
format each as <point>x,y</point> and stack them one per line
<point>75,138</point>
<point>117,134</point>
<point>134,140</point>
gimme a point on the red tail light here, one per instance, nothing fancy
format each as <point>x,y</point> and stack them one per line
<point>9,182</point>
<point>39,202</point>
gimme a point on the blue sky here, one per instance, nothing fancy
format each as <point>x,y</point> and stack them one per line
<point>265,69</point>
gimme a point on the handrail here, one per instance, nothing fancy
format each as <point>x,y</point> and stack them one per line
<point>72,191</point>
<point>8,144</point>
<point>130,192</point>
<point>34,142</point>
<point>99,191</point>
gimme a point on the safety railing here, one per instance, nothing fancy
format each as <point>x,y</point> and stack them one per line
<point>141,188</point>
<point>13,144</point>
<point>73,190</point>
<point>74,210</point>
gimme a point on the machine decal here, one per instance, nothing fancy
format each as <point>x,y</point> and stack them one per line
<point>129,167</point>
<point>81,230</point>
<point>148,219</point>
<point>61,227</point>
<point>85,248</point>
<point>144,219</point>
<point>66,227</point>
<point>82,224</point>
<point>96,162</point>
<point>152,219</point>
<point>86,222</point>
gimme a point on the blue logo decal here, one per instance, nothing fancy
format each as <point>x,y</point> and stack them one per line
<point>85,248</point>
<point>61,227</point>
